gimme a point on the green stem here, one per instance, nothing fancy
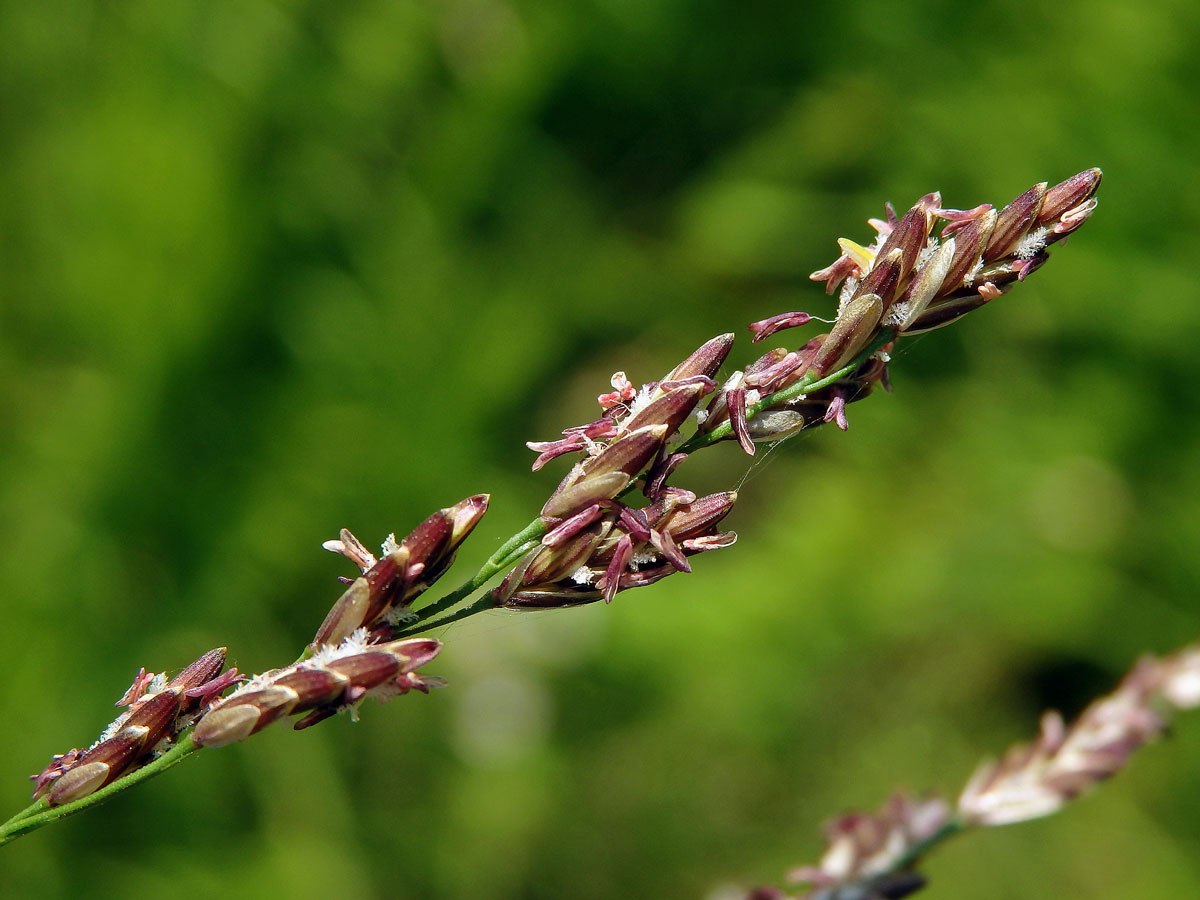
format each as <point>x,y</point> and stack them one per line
<point>484,603</point>
<point>35,806</point>
<point>510,551</point>
<point>41,813</point>
<point>909,859</point>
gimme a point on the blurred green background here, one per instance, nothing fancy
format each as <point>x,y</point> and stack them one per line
<point>273,268</point>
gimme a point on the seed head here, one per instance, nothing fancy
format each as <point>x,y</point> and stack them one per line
<point>157,710</point>
<point>334,679</point>
<point>624,548</point>
<point>389,585</point>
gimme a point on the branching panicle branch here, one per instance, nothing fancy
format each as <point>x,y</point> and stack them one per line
<point>592,540</point>
<point>870,856</point>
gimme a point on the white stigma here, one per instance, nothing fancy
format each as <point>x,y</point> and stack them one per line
<point>641,401</point>
<point>583,575</point>
<point>356,643</point>
<point>1031,245</point>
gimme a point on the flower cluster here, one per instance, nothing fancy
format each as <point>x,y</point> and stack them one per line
<point>352,656</point>
<point>609,548</point>
<point>910,280</point>
<point>633,431</point>
<point>865,851</point>
<point>592,540</point>
<point>156,711</point>
<point>335,679</point>
<point>1038,779</point>
<point>380,598</point>
<point>870,856</point>
<point>595,545</point>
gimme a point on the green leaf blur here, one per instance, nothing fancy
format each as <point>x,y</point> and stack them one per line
<point>272,268</point>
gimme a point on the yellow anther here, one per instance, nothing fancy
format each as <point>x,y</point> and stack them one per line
<point>861,256</point>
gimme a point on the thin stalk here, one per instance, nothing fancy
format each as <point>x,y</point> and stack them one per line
<point>510,551</point>
<point>41,813</point>
<point>483,604</point>
<point>33,807</point>
<point>909,859</point>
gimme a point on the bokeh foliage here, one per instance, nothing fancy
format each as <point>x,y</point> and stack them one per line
<point>271,268</point>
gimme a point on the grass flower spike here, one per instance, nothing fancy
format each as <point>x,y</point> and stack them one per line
<point>157,710</point>
<point>335,679</point>
<point>380,599</point>
<point>622,517</point>
<point>870,856</point>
